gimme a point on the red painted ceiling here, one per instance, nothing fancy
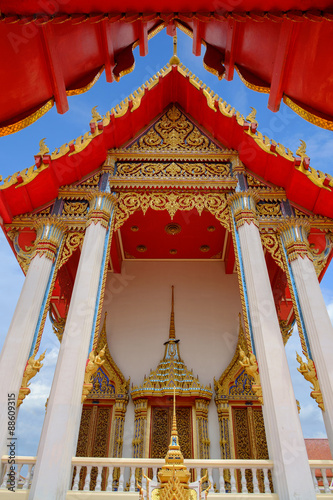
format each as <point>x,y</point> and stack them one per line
<point>51,48</point>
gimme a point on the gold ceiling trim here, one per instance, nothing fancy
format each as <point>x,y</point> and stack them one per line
<point>28,120</point>
<point>215,203</point>
<point>309,117</point>
<point>87,87</point>
<point>257,88</point>
<point>20,125</point>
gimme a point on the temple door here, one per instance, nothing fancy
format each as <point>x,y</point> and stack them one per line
<point>249,438</point>
<point>94,437</point>
<point>161,423</point>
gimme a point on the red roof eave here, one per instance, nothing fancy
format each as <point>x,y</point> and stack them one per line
<point>172,86</point>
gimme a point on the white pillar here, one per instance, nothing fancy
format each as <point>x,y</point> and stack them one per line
<point>318,326</point>
<point>291,472</point>
<point>24,325</point>
<point>52,474</point>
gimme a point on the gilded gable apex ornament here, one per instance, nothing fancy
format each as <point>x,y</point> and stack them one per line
<point>174,132</point>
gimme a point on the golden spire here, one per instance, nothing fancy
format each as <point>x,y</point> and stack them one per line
<point>174,454</point>
<point>174,420</point>
<point>172,331</point>
<point>174,61</point>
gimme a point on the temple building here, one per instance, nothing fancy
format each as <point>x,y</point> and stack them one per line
<point>173,265</point>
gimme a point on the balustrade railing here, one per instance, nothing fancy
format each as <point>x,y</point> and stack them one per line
<point>225,476</point>
<point>322,475</point>
<point>23,468</point>
<point>122,474</point>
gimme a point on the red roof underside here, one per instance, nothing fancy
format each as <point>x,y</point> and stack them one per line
<point>172,88</point>
<point>43,60</point>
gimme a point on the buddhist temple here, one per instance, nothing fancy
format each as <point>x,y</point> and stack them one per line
<point>174,247</point>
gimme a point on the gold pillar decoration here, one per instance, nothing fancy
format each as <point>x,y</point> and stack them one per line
<point>201,411</point>
<point>96,360</point>
<point>32,368</point>
<point>50,233</point>
<point>117,429</point>
<point>140,425</point>
<point>243,206</point>
<point>294,235</point>
<point>101,205</point>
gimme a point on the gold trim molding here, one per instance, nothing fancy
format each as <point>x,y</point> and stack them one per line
<point>128,203</point>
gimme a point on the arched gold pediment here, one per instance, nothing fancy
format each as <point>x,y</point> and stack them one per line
<point>108,382</point>
<point>234,383</point>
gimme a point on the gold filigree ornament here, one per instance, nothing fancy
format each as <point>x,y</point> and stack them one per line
<point>270,241</point>
<point>286,330</point>
<point>174,132</point>
<point>320,259</point>
<point>94,362</point>
<point>250,365</point>
<point>308,370</point>
<point>72,242</point>
<point>128,203</point>
<point>32,367</point>
<point>58,326</point>
<point>23,256</point>
<point>165,170</point>
<point>75,208</point>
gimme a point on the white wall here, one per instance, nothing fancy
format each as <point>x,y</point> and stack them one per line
<point>138,303</point>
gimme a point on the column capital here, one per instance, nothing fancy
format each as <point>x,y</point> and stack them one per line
<point>243,204</point>
<point>294,234</point>
<point>50,231</point>
<point>101,205</point>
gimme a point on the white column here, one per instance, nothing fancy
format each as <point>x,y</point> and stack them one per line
<point>318,326</point>
<point>291,472</point>
<point>23,328</point>
<point>58,441</point>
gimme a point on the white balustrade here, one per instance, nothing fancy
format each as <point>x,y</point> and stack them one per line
<point>76,481</point>
<point>322,475</point>
<point>228,476</point>
<point>21,463</point>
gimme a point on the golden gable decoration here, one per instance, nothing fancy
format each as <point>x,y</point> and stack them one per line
<point>174,131</point>
<point>108,382</point>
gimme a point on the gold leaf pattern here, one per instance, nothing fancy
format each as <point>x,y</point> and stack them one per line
<point>174,131</point>
<point>128,203</point>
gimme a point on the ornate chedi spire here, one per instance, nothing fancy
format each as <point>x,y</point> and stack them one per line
<point>171,372</point>
<point>172,331</point>
<point>174,476</point>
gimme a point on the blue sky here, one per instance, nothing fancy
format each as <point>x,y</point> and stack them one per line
<point>17,152</point>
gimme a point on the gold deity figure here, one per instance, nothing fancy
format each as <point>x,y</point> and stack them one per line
<point>33,367</point>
